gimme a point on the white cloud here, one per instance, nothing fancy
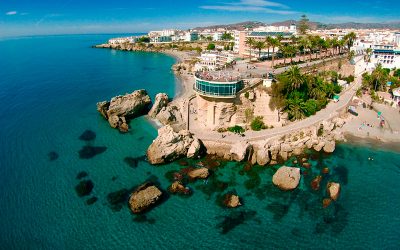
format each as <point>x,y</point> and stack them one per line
<point>11,13</point>
<point>260,6</point>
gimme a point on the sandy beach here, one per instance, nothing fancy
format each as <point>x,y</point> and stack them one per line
<point>367,125</point>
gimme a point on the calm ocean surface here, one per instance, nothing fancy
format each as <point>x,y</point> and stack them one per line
<point>49,87</point>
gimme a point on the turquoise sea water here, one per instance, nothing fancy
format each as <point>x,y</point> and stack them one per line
<point>48,90</point>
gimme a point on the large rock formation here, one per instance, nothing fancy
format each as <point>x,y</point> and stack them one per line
<point>169,146</point>
<point>124,107</point>
<point>329,146</point>
<point>240,151</point>
<point>160,102</point>
<point>263,157</point>
<point>286,178</point>
<point>199,173</point>
<point>333,190</point>
<point>144,197</point>
<point>170,115</point>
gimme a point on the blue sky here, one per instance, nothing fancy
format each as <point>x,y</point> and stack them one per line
<point>28,17</point>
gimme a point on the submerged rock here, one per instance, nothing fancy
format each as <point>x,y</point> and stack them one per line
<point>170,146</point>
<point>232,201</point>
<point>81,175</point>
<point>84,188</point>
<point>333,190</point>
<point>124,107</point>
<point>160,102</point>
<point>177,187</point>
<point>52,156</point>
<point>315,183</point>
<point>287,178</point>
<point>199,173</point>
<point>144,197</point>
<point>91,201</point>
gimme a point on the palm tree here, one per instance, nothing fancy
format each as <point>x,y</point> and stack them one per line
<point>292,51</point>
<point>316,88</point>
<point>369,54</point>
<point>259,45</point>
<point>379,77</point>
<point>275,43</point>
<point>335,44</point>
<point>303,45</point>
<point>268,40</point>
<point>250,41</point>
<point>350,38</point>
<point>294,77</point>
<point>296,108</point>
<point>341,44</point>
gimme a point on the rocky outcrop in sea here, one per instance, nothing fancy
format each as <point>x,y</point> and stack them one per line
<point>160,102</point>
<point>170,145</point>
<point>120,109</point>
<point>287,178</point>
<point>144,197</point>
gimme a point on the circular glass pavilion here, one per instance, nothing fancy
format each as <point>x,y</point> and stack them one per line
<point>217,87</point>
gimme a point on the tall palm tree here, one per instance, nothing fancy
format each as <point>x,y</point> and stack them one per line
<point>268,43</point>
<point>294,77</point>
<point>335,44</point>
<point>296,108</point>
<point>369,54</point>
<point>303,45</point>
<point>350,38</point>
<point>275,43</point>
<point>259,45</point>
<point>250,41</point>
<point>379,77</point>
<point>341,44</point>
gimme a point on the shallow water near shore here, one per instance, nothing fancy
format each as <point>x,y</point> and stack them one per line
<point>49,88</point>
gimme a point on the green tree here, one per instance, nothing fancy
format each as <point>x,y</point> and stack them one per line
<point>211,46</point>
<point>259,45</point>
<point>294,77</point>
<point>250,44</point>
<point>303,25</point>
<point>275,43</point>
<point>349,39</point>
<point>227,37</point>
<point>257,124</point>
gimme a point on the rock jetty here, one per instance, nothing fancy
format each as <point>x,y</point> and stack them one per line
<point>170,145</point>
<point>124,107</point>
<point>144,197</point>
<point>320,137</point>
<point>286,178</point>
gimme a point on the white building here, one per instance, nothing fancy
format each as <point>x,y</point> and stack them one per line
<point>397,39</point>
<point>211,61</point>
<point>387,55</point>
<point>191,36</point>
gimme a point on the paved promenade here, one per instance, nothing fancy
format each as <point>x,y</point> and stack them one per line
<point>329,112</point>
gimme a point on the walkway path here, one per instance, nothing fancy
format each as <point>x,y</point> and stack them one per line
<point>329,112</point>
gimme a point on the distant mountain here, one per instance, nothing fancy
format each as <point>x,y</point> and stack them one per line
<point>235,26</point>
<point>313,25</point>
<point>353,25</point>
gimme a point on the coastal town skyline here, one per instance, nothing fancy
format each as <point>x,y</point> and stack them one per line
<point>76,17</point>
